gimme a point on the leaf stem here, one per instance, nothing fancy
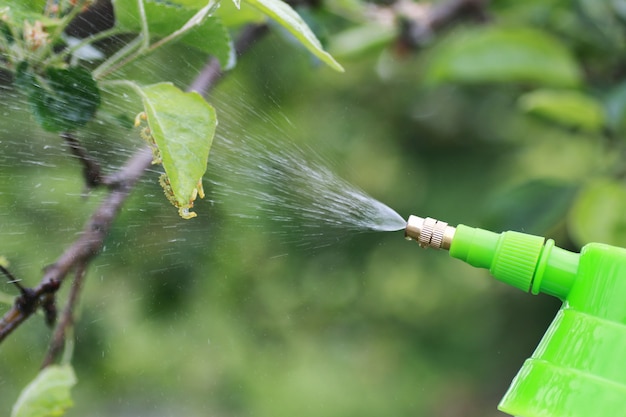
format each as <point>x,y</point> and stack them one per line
<point>145,30</point>
<point>105,68</point>
<point>66,321</point>
<point>125,83</point>
<point>146,48</point>
<point>12,279</point>
<point>88,41</point>
<point>195,20</point>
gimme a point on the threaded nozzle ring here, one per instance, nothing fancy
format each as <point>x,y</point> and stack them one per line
<point>429,232</point>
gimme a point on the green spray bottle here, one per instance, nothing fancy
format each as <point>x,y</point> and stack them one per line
<point>579,367</point>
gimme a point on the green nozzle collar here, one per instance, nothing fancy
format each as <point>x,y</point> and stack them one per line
<point>510,256</point>
<point>519,259</point>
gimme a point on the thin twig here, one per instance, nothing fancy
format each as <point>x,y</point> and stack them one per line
<point>88,244</point>
<point>67,317</point>
<point>12,279</point>
<point>25,305</point>
<point>96,37</point>
<point>91,169</point>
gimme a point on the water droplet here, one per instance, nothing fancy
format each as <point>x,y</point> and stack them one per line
<point>273,178</point>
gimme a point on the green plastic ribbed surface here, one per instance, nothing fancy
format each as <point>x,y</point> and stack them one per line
<point>575,372</point>
<point>516,259</point>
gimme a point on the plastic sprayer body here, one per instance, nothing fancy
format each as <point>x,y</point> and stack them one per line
<point>579,367</point>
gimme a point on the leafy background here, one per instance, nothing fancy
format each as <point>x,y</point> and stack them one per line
<point>214,317</point>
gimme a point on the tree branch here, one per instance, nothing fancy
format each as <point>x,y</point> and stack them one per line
<point>82,250</point>
<point>91,169</point>
<point>78,256</point>
<point>12,279</point>
<point>67,317</point>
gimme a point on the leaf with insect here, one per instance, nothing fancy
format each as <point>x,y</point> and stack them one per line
<point>182,126</point>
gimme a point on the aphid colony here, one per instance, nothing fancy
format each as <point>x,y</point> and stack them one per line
<point>182,205</point>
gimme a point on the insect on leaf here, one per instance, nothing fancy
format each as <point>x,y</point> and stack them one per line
<point>48,394</point>
<point>290,20</point>
<point>182,126</point>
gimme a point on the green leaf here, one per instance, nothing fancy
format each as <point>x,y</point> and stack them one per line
<point>599,214</point>
<point>64,99</point>
<point>233,16</point>
<point>567,107</point>
<point>213,38</point>
<point>361,39</point>
<point>534,207</point>
<point>182,126</point>
<point>509,55</point>
<point>164,18</point>
<point>26,6</point>
<point>192,4</point>
<point>282,13</point>
<point>48,395</point>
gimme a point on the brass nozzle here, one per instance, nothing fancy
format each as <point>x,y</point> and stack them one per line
<point>429,232</point>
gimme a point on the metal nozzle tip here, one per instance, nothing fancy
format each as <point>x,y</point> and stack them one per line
<point>429,232</point>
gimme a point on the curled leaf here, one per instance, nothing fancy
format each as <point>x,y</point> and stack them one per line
<point>182,126</point>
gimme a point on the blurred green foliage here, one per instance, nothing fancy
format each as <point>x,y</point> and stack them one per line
<point>213,317</point>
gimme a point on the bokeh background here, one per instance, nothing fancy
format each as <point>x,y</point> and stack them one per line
<point>216,316</point>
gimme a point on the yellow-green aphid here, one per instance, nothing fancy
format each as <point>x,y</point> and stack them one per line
<point>199,189</point>
<point>183,209</point>
<point>147,136</point>
<point>167,189</point>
